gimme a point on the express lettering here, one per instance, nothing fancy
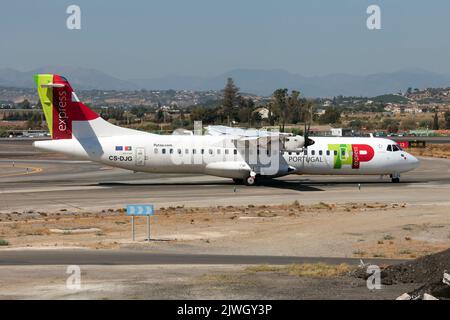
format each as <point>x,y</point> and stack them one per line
<point>62,114</point>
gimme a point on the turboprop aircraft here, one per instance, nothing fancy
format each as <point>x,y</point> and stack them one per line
<point>242,155</point>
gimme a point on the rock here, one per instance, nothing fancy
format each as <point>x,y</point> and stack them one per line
<point>446,278</point>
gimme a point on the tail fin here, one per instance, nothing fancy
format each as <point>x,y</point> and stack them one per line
<point>61,105</point>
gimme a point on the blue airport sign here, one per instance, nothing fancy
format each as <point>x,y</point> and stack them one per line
<point>140,209</point>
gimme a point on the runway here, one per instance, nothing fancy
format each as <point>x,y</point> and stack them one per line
<point>53,185</point>
<point>128,257</point>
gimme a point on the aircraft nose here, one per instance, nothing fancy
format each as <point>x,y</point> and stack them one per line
<point>413,161</point>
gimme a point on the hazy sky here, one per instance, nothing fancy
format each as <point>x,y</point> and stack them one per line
<point>154,38</point>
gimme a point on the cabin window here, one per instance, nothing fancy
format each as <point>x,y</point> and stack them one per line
<point>170,151</point>
<point>218,151</point>
<point>227,151</point>
<point>305,152</point>
<point>320,152</point>
<point>343,152</point>
<point>289,153</point>
<point>202,151</point>
<point>193,151</point>
<point>210,151</point>
<point>186,151</point>
<point>395,148</point>
<point>179,151</point>
<point>328,152</point>
<point>389,148</point>
<point>335,152</point>
<point>313,152</point>
<point>297,153</point>
<point>155,150</point>
<point>235,151</point>
<point>163,151</point>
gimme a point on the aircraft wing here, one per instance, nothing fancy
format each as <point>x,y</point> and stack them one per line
<point>239,132</point>
<point>260,137</point>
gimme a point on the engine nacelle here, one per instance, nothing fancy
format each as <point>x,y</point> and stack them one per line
<point>228,169</point>
<point>294,142</point>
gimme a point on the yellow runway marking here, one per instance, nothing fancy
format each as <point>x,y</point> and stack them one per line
<point>31,170</point>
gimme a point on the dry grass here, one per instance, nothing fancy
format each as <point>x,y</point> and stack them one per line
<point>432,150</point>
<point>319,270</point>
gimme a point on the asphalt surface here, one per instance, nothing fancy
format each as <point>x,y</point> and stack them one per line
<point>124,257</point>
<point>81,186</point>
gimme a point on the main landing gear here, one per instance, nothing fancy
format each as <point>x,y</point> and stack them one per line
<point>395,177</point>
<point>249,181</point>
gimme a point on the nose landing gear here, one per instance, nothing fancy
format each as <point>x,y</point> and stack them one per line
<point>395,177</point>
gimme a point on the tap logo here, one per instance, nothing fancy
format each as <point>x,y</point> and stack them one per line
<point>351,154</point>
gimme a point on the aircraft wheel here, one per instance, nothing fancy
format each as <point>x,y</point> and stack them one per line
<point>238,181</point>
<point>250,181</point>
<point>395,177</point>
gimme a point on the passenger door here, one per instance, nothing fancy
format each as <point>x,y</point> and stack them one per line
<point>140,156</point>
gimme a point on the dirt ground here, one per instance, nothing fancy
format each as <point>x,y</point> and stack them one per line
<point>183,282</point>
<point>381,230</point>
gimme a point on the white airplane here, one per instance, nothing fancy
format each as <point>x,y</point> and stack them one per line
<point>242,155</point>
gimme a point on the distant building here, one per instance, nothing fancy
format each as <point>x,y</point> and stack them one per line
<point>263,112</point>
<point>341,132</point>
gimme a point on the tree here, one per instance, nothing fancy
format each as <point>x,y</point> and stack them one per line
<point>25,104</point>
<point>392,128</point>
<point>426,123</point>
<point>331,115</point>
<point>447,119</point>
<point>436,121</point>
<point>281,106</point>
<point>230,94</point>
<point>139,111</point>
<point>159,117</point>
<point>295,107</point>
<point>246,106</point>
<point>356,124</point>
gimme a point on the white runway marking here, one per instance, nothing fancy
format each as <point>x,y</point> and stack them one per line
<point>53,189</point>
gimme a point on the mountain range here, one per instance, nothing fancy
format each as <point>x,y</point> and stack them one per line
<point>256,81</point>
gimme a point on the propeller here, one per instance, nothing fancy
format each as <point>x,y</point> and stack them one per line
<point>307,129</point>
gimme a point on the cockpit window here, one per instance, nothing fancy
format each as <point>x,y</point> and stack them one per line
<point>393,148</point>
